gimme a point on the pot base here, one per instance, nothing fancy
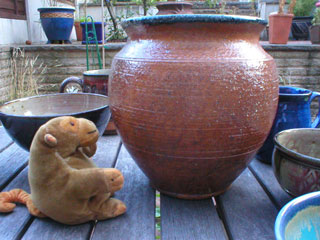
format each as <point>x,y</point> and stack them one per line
<point>192,196</point>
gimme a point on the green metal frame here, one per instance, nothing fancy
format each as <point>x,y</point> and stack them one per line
<point>91,36</point>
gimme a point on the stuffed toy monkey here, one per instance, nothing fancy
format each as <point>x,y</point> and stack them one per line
<point>65,183</point>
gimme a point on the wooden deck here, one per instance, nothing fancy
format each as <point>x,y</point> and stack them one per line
<point>246,211</point>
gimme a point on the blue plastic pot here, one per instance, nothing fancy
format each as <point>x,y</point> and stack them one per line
<point>98,28</point>
<point>57,22</point>
<point>293,112</point>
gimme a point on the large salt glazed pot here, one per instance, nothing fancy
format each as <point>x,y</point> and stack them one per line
<point>193,97</point>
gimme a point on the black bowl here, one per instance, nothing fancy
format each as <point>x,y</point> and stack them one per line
<point>22,118</point>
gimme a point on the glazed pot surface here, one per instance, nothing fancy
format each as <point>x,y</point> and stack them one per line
<point>296,160</point>
<point>57,22</point>
<point>193,98</point>
<point>293,112</point>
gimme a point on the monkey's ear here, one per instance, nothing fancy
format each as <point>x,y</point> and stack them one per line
<point>50,140</point>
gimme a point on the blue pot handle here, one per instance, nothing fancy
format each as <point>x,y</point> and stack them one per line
<point>316,122</point>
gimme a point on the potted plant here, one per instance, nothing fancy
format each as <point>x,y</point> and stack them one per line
<point>302,19</point>
<point>57,22</point>
<point>280,23</point>
<point>78,28</point>
<point>315,28</point>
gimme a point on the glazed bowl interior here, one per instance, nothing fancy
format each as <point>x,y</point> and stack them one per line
<point>303,142</point>
<point>299,219</point>
<point>22,117</point>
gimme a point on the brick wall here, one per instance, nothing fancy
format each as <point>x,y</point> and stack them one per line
<point>5,55</point>
<point>65,61</point>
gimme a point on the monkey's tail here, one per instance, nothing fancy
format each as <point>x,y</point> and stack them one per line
<point>8,200</point>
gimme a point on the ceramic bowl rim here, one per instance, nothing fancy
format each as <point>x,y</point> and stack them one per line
<point>293,205</point>
<point>53,115</point>
<point>295,94</point>
<point>191,18</point>
<point>97,72</point>
<point>304,159</point>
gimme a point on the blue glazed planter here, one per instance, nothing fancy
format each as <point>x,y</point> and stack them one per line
<point>299,219</point>
<point>98,28</point>
<point>57,23</point>
<point>293,112</point>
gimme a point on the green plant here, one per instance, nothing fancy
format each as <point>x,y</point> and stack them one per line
<point>304,7</point>
<point>282,3</point>
<point>316,17</point>
<point>220,5</point>
<point>146,4</point>
<point>117,33</point>
<point>25,73</point>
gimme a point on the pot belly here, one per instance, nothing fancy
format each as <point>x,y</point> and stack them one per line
<point>193,127</point>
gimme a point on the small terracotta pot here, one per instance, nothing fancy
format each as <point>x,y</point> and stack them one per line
<point>78,31</point>
<point>279,28</point>
<point>166,8</point>
<point>315,34</point>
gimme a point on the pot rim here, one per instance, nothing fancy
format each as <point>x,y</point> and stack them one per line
<point>97,72</point>
<point>56,8</point>
<point>191,18</point>
<point>291,208</point>
<point>52,115</point>
<point>299,157</point>
<point>307,93</point>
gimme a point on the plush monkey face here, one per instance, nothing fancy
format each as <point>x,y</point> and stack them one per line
<point>66,134</point>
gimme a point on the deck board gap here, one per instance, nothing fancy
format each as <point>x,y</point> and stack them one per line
<point>25,228</point>
<point>93,228</point>
<point>6,183</point>
<point>221,214</point>
<point>5,147</point>
<point>269,194</point>
<point>115,160</point>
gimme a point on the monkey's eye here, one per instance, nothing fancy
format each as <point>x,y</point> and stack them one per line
<point>72,123</point>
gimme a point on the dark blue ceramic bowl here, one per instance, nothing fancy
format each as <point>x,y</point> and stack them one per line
<point>22,118</point>
<point>299,219</point>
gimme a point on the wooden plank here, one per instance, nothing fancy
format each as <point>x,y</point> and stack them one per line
<point>7,4</point>
<point>12,160</point>
<point>4,13</point>
<point>139,220</point>
<point>186,219</point>
<point>5,139</point>
<point>247,210</point>
<point>49,229</point>
<point>13,224</point>
<point>264,174</point>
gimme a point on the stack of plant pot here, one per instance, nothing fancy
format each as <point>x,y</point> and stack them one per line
<point>315,28</point>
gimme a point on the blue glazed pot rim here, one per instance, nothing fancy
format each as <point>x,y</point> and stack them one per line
<point>56,8</point>
<point>52,115</point>
<point>289,211</point>
<point>299,157</point>
<point>306,93</point>
<point>191,18</point>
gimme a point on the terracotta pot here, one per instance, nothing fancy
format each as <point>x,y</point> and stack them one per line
<point>193,98</point>
<point>174,8</point>
<point>279,28</point>
<point>94,81</point>
<point>78,31</point>
<point>315,34</point>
